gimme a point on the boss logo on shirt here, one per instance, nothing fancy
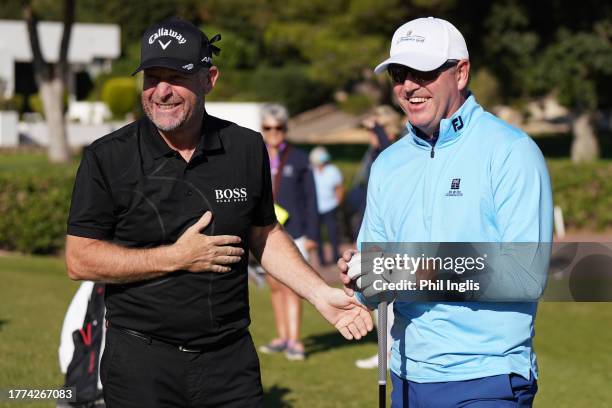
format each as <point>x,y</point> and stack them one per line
<point>455,188</point>
<point>231,195</point>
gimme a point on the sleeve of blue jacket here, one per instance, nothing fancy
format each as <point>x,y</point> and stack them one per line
<point>522,198</point>
<point>372,226</point>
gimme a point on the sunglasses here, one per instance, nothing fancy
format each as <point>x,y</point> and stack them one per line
<point>278,128</point>
<point>399,73</point>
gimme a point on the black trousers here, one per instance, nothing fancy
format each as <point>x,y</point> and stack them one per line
<point>139,373</point>
<point>330,221</point>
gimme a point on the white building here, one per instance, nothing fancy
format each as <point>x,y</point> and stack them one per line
<point>92,48</point>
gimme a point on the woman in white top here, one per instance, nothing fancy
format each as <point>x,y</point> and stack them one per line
<point>330,191</point>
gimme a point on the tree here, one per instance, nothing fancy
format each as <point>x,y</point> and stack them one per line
<point>578,65</point>
<point>511,46</point>
<point>51,79</point>
<point>340,40</point>
<point>551,47</point>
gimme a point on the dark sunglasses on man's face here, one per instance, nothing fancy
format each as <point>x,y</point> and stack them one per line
<point>399,73</point>
<point>278,128</point>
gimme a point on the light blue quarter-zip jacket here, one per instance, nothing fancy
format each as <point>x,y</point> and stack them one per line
<point>483,181</point>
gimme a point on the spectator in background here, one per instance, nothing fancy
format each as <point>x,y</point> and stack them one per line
<point>330,191</point>
<point>296,202</point>
<point>384,128</point>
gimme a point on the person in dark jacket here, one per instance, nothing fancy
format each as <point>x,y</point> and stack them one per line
<point>384,128</point>
<point>296,204</point>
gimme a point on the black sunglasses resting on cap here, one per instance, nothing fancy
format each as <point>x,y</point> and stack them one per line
<point>399,73</point>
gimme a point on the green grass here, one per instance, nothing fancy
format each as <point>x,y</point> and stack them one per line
<point>31,161</point>
<point>573,343</point>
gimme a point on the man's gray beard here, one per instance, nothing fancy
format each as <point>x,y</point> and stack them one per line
<point>170,128</point>
<point>178,124</point>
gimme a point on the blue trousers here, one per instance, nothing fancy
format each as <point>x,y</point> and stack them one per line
<point>499,391</point>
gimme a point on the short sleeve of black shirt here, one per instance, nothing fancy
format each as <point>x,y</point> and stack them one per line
<point>91,209</point>
<point>263,213</point>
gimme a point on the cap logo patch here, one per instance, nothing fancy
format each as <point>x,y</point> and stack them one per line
<point>164,46</point>
<point>188,67</point>
<point>164,32</point>
<point>410,37</point>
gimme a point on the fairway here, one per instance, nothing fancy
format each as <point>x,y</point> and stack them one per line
<point>573,342</point>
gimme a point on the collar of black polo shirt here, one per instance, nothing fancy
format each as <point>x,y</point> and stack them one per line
<point>210,139</point>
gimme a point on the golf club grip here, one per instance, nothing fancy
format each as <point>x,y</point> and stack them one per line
<point>382,353</point>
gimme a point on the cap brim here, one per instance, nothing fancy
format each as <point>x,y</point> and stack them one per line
<point>414,60</point>
<point>170,63</point>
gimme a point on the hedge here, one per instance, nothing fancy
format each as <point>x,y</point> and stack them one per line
<point>584,193</point>
<point>34,204</point>
<point>120,95</point>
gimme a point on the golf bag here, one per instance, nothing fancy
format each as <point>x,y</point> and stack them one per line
<point>84,323</point>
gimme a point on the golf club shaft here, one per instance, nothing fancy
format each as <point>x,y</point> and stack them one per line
<point>382,354</point>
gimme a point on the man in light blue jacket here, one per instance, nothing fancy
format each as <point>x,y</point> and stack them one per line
<point>459,175</point>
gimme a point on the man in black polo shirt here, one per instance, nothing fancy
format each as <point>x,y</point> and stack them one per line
<point>163,210</point>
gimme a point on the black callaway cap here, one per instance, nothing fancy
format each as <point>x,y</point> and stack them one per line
<point>178,45</point>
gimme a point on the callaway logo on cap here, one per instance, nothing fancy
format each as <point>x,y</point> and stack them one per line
<point>178,45</point>
<point>425,44</point>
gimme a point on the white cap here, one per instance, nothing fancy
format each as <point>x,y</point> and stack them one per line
<point>425,44</point>
<point>318,156</point>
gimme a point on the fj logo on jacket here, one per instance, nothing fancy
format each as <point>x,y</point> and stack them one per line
<point>457,124</point>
